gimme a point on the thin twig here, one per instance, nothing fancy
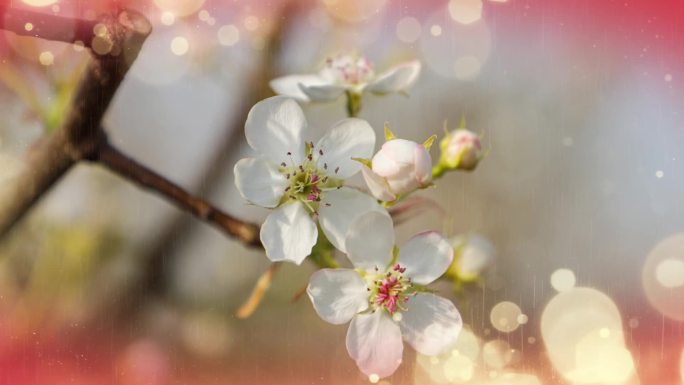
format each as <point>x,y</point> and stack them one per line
<point>45,26</point>
<point>135,172</point>
<point>122,37</point>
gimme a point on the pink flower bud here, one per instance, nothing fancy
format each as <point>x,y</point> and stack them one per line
<point>461,149</point>
<point>400,167</point>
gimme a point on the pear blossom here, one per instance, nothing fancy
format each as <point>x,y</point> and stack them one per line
<point>400,166</point>
<point>301,180</point>
<point>385,297</point>
<point>461,149</point>
<point>347,73</point>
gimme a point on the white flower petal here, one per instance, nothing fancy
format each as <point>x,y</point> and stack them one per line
<point>393,156</point>
<point>370,241</point>
<point>322,93</point>
<point>423,166</point>
<point>337,294</point>
<point>289,85</point>
<point>288,234</point>
<point>426,257</point>
<point>374,342</point>
<point>259,181</point>
<point>396,79</point>
<point>349,138</point>
<point>339,209</point>
<point>377,185</point>
<point>276,126</point>
<point>431,325</point>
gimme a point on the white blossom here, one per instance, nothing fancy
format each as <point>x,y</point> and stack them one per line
<point>385,297</point>
<point>301,180</point>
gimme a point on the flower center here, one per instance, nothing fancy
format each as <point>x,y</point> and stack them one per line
<point>391,290</point>
<point>350,69</point>
<point>308,181</point>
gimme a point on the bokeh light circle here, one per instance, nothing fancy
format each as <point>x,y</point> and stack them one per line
<point>39,3</point>
<point>353,11</point>
<point>582,332</point>
<point>563,280</point>
<point>504,316</point>
<point>497,354</point>
<point>465,11</point>
<point>408,29</point>
<point>663,277</point>
<point>179,7</point>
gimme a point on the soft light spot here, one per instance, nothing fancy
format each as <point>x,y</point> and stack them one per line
<point>458,369</point>
<point>55,8</point>
<point>465,11</point>
<point>436,30</point>
<point>408,29</point>
<point>497,354</point>
<point>168,18</point>
<point>46,58</point>
<point>228,35</point>
<point>78,46</point>
<point>204,15</point>
<point>659,174</point>
<point>39,3</point>
<point>180,45</point>
<point>563,280</point>
<point>353,11</point>
<point>582,332</point>
<point>374,378</point>
<point>28,26</point>
<point>668,77</point>
<point>670,273</point>
<point>251,23</point>
<point>467,68</point>
<point>100,30</point>
<point>633,323</point>
<point>102,45</point>
<point>179,7</point>
<point>663,277</point>
<point>397,317</point>
<point>522,319</point>
<point>531,340</point>
<point>504,316</point>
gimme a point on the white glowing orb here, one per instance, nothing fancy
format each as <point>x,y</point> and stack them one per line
<point>663,277</point>
<point>46,58</point>
<point>465,11</point>
<point>436,30</point>
<point>510,378</point>
<point>670,273</point>
<point>408,29</point>
<point>497,354</point>
<point>167,18</point>
<point>563,280</point>
<point>454,367</point>
<point>458,369</point>
<point>354,11</point>
<point>39,3</point>
<point>582,332</point>
<point>228,35</point>
<point>180,46</point>
<point>504,316</point>
<point>179,7</point>
<point>374,378</point>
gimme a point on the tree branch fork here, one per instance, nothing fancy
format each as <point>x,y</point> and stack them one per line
<point>114,42</point>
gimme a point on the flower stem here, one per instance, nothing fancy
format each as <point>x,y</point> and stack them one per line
<point>353,104</point>
<point>438,171</point>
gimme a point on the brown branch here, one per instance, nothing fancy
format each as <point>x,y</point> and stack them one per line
<point>135,172</point>
<point>45,26</point>
<point>121,39</point>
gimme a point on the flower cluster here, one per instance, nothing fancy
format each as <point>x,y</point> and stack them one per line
<point>304,182</point>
